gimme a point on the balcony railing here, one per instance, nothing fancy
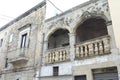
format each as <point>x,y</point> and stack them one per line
<point>18,55</point>
<point>57,55</point>
<point>94,47</point>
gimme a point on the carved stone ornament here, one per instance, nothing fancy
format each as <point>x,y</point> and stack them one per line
<point>86,14</point>
<point>68,21</point>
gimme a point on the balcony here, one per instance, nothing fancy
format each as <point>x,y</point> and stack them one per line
<point>94,47</point>
<point>57,55</point>
<point>19,55</point>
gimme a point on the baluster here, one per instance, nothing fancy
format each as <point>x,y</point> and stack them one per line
<point>86,50</point>
<point>67,54</point>
<point>56,56</point>
<point>60,55</point>
<point>46,58</point>
<point>64,53</point>
<point>90,47</point>
<point>77,51</point>
<point>81,51</point>
<point>100,47</point>
<point>50,58</point>
<point>106,45</point>
<point>96,48</point>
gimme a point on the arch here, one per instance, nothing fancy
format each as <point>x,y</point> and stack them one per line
<point>59,38</point>
<point>86,15</point>
<point>53,30</point>
<point>90,28</point>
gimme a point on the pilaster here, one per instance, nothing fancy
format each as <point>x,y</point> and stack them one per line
<point>72,39</point>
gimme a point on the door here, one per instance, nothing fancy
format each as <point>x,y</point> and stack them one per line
<point>80,77</point>
<point>106,76</point>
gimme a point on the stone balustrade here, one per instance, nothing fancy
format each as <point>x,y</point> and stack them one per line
<point>93,47</point>
<point>57,55</point>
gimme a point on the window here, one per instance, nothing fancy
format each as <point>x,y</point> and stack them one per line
<point>55,71</point>
<point>1,42</point>
<point>6,63</point>
<point>23,40</point>
<point>11,38</point>
<point>81,77</point>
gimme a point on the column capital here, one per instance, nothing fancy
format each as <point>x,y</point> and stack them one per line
<point>71,34</point>
<point>46,41</point>
<point>109,23</point>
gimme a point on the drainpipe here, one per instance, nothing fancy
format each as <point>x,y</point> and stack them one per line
<point>41,54</point>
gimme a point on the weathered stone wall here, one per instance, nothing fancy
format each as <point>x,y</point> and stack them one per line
<point>3,48</point>
<point>32,23</point>
<point>22,75</point>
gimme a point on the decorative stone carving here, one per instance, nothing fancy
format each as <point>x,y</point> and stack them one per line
<point>68,21</point>
<point>92,11</point>
<point>106,6</point>
<point>86,14</point>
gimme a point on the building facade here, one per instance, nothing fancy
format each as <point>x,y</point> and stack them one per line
<point>18,49</point>
<point>78,44</point>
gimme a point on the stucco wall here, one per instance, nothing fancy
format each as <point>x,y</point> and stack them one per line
<point>114,10</point>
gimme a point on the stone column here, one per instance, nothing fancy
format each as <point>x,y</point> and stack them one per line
<point>114,49</point>
<point>111,34</point>
<point>72,41</point>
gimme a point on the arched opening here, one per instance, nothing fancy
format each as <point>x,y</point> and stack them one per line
<point>59,38</point>
<point>90,29</point>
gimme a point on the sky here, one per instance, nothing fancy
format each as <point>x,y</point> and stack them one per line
<point>10,9</point>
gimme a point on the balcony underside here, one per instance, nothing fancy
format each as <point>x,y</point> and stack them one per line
<point>18,60</point>
<point>18,56</point>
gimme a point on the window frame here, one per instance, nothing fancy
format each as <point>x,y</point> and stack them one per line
<point>11,38</point>
<point>55,71</point>
<point>23,32</point>
<point>23,40</point>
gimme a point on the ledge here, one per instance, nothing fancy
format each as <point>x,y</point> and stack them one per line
<point>19,59</point>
